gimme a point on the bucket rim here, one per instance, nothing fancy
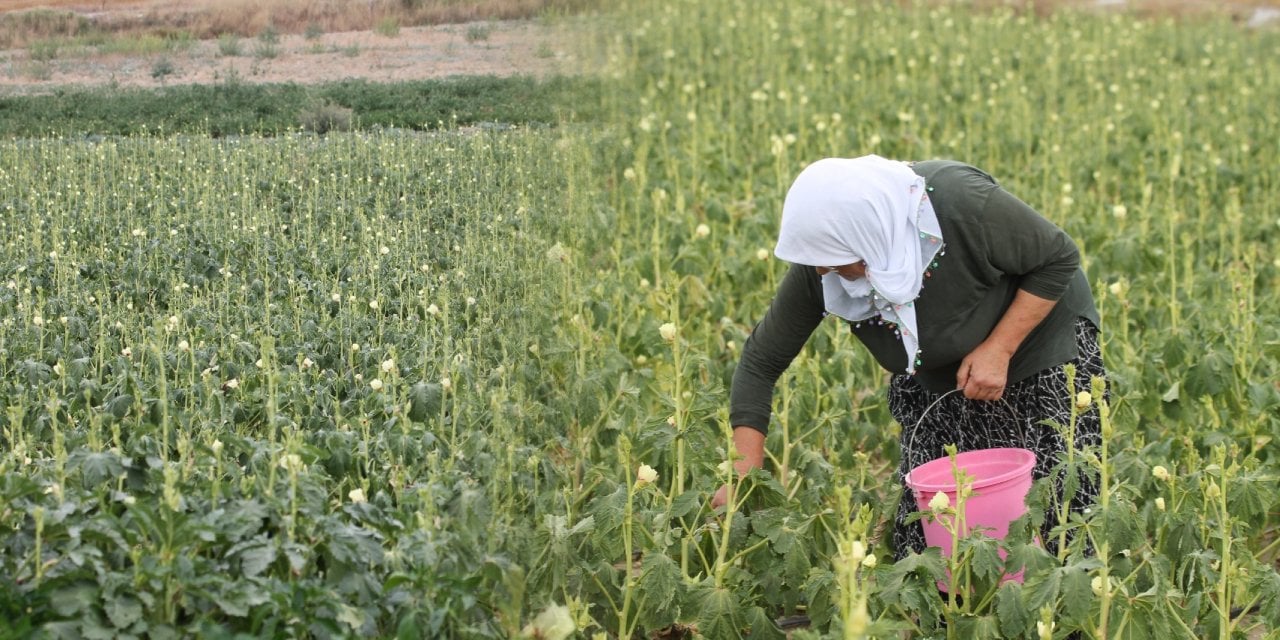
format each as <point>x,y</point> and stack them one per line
<point>1026,460</point>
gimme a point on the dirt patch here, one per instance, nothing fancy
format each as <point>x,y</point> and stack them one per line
<point>501,48</point>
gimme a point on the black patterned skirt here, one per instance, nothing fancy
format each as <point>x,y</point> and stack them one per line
<point>1012,422</point>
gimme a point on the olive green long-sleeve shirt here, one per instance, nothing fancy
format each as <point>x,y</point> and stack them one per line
<point>995,244</point>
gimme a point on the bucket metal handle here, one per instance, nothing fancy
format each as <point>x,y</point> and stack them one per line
<point>923,414</point>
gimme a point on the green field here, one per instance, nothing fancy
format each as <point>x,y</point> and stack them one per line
<point>411,384</point>
<point>235,108</point>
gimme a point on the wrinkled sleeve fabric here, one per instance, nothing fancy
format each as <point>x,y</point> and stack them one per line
<point>795,312</point>
<point>1025,244</point>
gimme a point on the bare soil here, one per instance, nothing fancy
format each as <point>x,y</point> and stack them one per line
<point>501,48</point>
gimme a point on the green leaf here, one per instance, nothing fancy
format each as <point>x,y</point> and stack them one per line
<point>609,510</point>
<point>408,628</point>
<point>775,524</point>
<point>123,611</point>
<point>796,564</point>
<point>1042,588</point>
<point>96,467</point>
<point>1029,557</point>
<point>1210,374</point>
<point>70,601</point>
<point>1265,583</point>
<point>817,591</point>
<point>119,406</point>
<point>161,632</point>
<point>1120,525</point>
<point>238,598</point>
<point>1077,594</point>
<point>985,561</point>
<point>350,616</point>
<point>912,583</point>
<point>424,401</point>
<point>556,525</point>
<point>355,545</point>
<point>1246,497</point>
<point>255,559</point>
<point>929,565</point>
<point>977,627</point>
<point>661,587</point>
<point>762,626</point>
<point>94,630</point>
<point>718,615</point>
<point>686,504</point>
<point>1015,619</point>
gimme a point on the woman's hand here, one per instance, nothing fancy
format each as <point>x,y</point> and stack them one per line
<point>984,373</point>
<point>750,445</point>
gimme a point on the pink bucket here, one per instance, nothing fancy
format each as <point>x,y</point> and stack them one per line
<point>1001,480</point>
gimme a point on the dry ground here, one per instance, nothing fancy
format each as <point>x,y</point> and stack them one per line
<point>351,47</point>
<point>507,48</point>
<point>348,39</point>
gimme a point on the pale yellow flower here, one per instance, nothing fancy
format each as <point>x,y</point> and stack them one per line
<point>940,502</point>
<point>645,475</point>
<point>1083,400</point>
<point>668,331</point>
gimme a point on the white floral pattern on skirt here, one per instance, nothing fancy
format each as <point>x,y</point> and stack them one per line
<point>1013,422</point>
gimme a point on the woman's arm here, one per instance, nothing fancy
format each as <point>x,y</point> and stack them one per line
<point>749,443</point>
<point>1026,245</point>
<point>796,310</point>
<point>793,314</point>
<point>984,372</point>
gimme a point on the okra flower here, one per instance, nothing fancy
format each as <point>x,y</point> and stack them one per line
<point>940,502</point>
<point>857,551</point>
<point>1045,630</point>
<point>1160,473</point>
<point>645,475</point>
<point>668,331</point>
<point>291,462</point>
<point>1083,400</point>
<point>356,496</point>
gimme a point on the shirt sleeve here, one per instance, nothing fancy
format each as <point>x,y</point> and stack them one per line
<point>1025,244</point>
<point>795,312</point>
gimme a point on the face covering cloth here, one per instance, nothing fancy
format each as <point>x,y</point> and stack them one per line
<point>842,211</point>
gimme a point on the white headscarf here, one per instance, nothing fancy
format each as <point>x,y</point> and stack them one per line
<point>841,211</point>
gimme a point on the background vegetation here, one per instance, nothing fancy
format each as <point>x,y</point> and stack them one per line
<point>43,20</point>
<point>475,385</point>
<point>234,107</point>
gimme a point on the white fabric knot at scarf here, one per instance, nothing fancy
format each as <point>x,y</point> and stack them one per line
<point>842,211</point>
